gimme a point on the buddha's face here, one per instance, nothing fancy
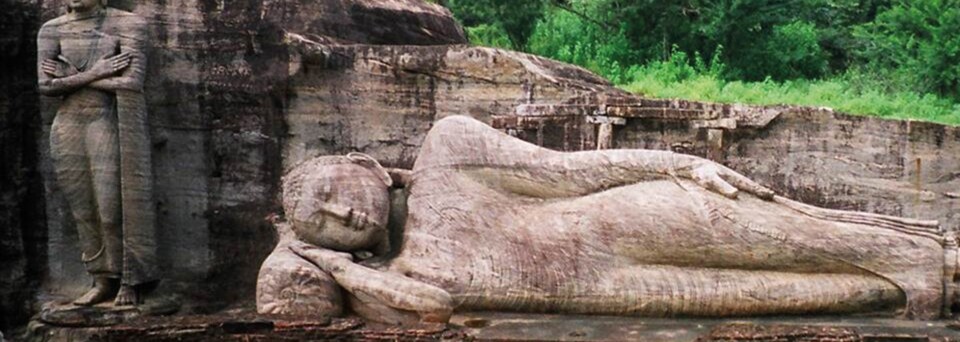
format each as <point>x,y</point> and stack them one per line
<point>344,207</point>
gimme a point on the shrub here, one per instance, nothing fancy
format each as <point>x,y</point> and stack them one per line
<point>563,36</point>
<point>916,43</point>
<point>793,51</point>
<point>489,35</point>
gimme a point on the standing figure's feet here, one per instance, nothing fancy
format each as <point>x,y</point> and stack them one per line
<point>127,296</point>
<point>103,289</point>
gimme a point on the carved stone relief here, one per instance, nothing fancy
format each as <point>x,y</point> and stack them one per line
<point>93,58</point>
<point>495,223</point>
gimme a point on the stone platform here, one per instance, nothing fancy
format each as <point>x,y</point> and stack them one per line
<point>525,327</point>
<point>248,326</point>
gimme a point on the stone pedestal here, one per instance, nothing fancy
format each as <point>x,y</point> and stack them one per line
<point>245,325</point>
<point>105,314</point>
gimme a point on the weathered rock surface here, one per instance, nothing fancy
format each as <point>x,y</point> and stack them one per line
<point>22,227</point>
<point>394,22</point>
<point>237,93</point>
<point>216,88</point>
<point>381,100</point>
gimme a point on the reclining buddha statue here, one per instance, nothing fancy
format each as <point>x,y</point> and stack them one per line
<point>485,221</point>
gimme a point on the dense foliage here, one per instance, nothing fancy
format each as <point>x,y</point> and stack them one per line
<point>916,43</point>
<point>905,52</point>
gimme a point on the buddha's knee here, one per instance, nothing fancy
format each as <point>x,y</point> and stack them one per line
<point>290,285</point>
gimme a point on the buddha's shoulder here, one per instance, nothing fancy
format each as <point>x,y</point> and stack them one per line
<point>55,22</point>
<point>127,17</point>
<point>115,12</point>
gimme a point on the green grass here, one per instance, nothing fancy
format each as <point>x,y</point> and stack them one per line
<point>666,80</point>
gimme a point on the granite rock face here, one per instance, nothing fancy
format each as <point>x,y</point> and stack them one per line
<point>240,91</point>
<point>216,89</point>
<point>381,100</point>
<point>22,227</point>
<point>393,22</point>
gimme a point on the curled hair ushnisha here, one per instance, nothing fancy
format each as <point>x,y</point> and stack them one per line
<point>299,170</point>
<point>103,3</point>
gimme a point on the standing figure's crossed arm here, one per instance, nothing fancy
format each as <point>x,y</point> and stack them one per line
<point>133,40</point>
<point>57,75</point>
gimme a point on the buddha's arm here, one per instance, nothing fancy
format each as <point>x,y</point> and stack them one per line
<point>598,170</point>
<point>509,163</point>
<point>64,85</point>
<point>133,39</point>
<point>55,76</point>
<point>48,49</point>
<point>590,171</point>
<point>380,291</point>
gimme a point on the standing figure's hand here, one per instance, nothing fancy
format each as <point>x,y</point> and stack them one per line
<point>725,181</point>
<point>112,65</point>
<point>57,69</point>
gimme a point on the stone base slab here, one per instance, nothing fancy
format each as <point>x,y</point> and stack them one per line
<point>105,314</point>
<point>245,325</point>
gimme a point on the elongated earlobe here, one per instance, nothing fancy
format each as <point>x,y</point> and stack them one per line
<point>372,164</point>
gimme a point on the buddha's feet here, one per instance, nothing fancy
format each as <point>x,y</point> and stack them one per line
<point>127,296</point>
<point>103,290</point>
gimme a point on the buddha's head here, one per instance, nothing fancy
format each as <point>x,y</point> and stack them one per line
<point>338,202</point>
<point>82,6</point>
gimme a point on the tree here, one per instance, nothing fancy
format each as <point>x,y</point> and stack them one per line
<point>515,18</point>
<point>916,42</point>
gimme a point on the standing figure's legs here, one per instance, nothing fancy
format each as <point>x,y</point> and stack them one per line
<point>85,152</point>
<point>103,149</point>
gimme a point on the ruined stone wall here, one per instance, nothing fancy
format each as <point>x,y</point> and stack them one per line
<point>834,160</point>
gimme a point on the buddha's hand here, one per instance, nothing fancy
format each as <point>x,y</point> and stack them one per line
<point>111,65</point>
<point>328,260</point>
<point>57,69</point>
<point>380,290</point>
<point>725,181</point>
